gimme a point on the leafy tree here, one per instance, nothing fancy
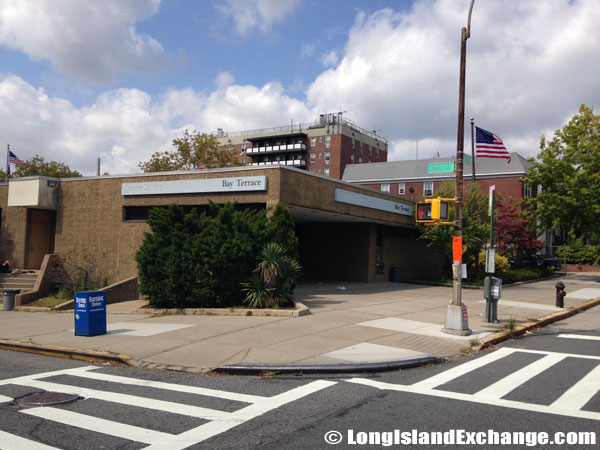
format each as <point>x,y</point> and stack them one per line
<point>2,176</point>
<point>192,151</point>
<point>568,170</point>
<point>37,166</point>
<point>200,260</point>
<point>280,229</point>
<point>511,233</point>
<point>475,228</point>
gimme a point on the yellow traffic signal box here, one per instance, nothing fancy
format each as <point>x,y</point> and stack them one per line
<point>434,211</point>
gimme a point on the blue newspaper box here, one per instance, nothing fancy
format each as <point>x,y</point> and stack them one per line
<point>90,313</point>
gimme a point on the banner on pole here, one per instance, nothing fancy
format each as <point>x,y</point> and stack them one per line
<point>491,202</point>
<point>457,249</point>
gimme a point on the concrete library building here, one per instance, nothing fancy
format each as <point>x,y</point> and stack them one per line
<point>346,232</point>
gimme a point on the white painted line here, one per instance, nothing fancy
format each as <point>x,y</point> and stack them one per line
<point>455,372</point>
<point>4,399</point>
<point>476,399</point>
<point>99,425</point>
<point>515,379</point>
<point>527,305</point>
<point>245,398</point>
<point>420,328</point>
<point>12,442</point>
<point>36,376</point>
<point>367,352</point>
<point>125,399</point>
<point>580,393</point>
<point>208,430</point>
<point>579,336</point>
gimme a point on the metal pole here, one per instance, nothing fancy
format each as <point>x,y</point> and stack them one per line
<point>98,167</point>
<point>473,148</point>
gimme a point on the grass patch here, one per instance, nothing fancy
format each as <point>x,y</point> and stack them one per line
<point>47,302</point>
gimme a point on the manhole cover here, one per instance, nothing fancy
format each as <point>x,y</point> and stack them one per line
<point>47,399</point>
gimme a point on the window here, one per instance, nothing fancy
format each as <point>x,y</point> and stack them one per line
<point>313,157</point>
<point>377,151</point>
<point>244,161</point>
<point>401,188</point>
<point>428,188</point>
<point>351,159</point>
<point>326,172</point>
<point>385,187</point>
<point>320,139</point>
<point>230,148</point>
<point>360,159</point>
<point>360,146</point>
<point>244,147</point>
<point>526,190</point>
<point>313,141</point>
<point>326,157</point>
<point>539,189</point>
<point>327,141</point>
<point>353,143</point>
<point>312,170</point>
<point>320,155</point>
<point>370,153</point>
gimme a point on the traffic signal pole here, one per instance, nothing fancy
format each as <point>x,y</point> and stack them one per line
<point>456,313</point>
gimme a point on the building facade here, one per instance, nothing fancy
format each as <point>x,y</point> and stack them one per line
<point>417,179</point>
<point>346,232</point>
<point>323,147</point>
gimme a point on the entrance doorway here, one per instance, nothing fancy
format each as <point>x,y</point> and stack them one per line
<point>40,236</point>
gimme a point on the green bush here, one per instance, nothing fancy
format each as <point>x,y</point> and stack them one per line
<point>530,273</point>
<point>579,253</point>
<point>199,260</point>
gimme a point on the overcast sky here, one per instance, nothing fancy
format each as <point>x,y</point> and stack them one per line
<point>119,79</point>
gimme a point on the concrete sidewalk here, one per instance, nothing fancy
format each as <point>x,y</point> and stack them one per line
<point>351,323</point>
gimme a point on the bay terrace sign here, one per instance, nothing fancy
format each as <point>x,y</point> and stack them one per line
<point>237,184</point>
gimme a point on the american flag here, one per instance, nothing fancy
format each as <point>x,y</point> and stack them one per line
<point>488,145</point>
<point>14,159</point>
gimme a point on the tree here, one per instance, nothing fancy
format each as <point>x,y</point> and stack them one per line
<point>192,151</point>
<point>568,170</point>
<point>475,228</point>
<point>37,166</point>
<point>511,233</point>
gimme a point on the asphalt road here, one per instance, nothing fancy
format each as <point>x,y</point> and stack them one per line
<point>544,382</point>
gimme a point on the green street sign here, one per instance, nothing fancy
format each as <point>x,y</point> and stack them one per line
<point>441,167</point>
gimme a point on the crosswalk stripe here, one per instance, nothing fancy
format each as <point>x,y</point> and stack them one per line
<point>126,399</point>
<point>450,374</point>
<point>98,425</point>
<point>208,430</point>
<point>580,393</point>
<point>515,379</point>
<point>169,386</point>
<point>4,399</point>
<point>579,336</point>
<point>476,399</point>
<point>13,442</point>
<point>35,376</point>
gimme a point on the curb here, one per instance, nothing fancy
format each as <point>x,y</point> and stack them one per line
<point>66,352</point>
<point>542,322</point>
<point>330,368</point>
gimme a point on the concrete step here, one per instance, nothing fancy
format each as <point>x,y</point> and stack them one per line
<point>24,282</point>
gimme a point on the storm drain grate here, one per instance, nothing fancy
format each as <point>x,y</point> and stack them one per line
<point>46,399</point>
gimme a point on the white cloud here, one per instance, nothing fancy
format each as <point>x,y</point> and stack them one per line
<point>529,67</point>
<point>262,14</point>
<point>329,59</point>
<point>91,40</point>
<point>125,126</point>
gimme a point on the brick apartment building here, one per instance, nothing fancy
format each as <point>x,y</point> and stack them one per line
<point>416,179</point>
<point>323,147</point>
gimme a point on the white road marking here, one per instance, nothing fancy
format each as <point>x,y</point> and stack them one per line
<point>579,336</point>
<point>4,399</point>
<point>568,404</point>
<point>420,328</point>
<point>515,379</point>
<point>13,442</point>
<point>218,421</point>
<point>99,425</point>
<point>580,393</point>
<point>245,398</point>
<point>502,303</point>
<point>584,294</point>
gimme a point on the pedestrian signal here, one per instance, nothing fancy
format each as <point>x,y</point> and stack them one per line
<point>434,211</point>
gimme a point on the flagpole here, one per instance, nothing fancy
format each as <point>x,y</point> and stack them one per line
<point>473,147</point>
<point>7,161</point>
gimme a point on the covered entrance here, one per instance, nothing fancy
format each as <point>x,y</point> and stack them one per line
<point>40,236</point>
